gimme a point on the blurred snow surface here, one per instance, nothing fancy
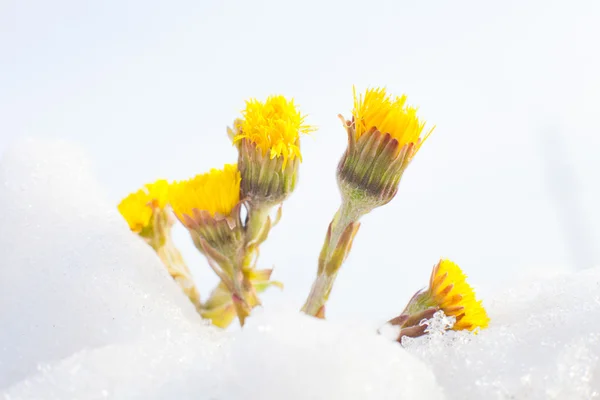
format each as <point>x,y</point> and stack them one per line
<point>88,312</point>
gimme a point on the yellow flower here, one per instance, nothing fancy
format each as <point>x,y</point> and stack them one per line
<point>274,126</point>
<point>378,110</point>
<point>216,192</point>
<point>383,137</point>
<point>137,208</point>
<point>450,292</point>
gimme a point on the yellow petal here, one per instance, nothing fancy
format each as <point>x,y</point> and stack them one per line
<point>137,208</point>
<point>459,301</point>
<point>274,126</point>
<point>389,115</point>
<point>217,191</point>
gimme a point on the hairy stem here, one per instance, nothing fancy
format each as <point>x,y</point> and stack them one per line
<point>335,249</point>
<point>256,230</point>
<point>178,269</point>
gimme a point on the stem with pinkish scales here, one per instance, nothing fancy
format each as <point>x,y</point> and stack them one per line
<point>338,243</point>
<point>257,227</point>
<point>410,324</point>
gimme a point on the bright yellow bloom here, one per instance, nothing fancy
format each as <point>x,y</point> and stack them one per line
<point>137,208</point>
<point>377,109</point>
<point>450,291</point>
<point>274,126</point>
<point>217,192</point>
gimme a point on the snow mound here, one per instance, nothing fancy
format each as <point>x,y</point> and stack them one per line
<point>162,365</point>
<point>287,355</point>
<point>72,276</point>
<point>88,312</point>
<point>543,343</point>
<point>278,356</point>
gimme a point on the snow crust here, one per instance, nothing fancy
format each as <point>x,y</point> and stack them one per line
<point>88,312</point>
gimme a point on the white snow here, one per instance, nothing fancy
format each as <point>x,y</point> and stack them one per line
<point>162,365</point>
<point>543,343</point>
<point>277,356</point>
<point>285,355</point>
<point>88,312</point>
<point>71,274</point>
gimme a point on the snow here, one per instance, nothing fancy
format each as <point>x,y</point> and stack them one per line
<point>304,358</point>
<point>88,312</point>
<point>543,343</point>
<point>72,276</point>
<point>155,366</point>
<point>267,361</point>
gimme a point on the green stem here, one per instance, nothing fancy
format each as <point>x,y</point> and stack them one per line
<point>255,222</point>
<point>244,297</point>
<point>158,236</point>
<point>178,269</point>
<point>347,214</point>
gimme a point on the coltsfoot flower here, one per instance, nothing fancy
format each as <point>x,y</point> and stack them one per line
<point>449,292</point>
<point>268,140</point>
<point>140,207</point>
<point>208,205</point>
<point>383,137</point>
<point>148,214</point>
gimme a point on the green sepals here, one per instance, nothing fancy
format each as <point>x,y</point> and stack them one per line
<point>372,166</point>
<point>265,180</point>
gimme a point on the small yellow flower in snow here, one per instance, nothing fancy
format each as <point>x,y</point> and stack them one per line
<point>138,207</point>
<point>450,292</point>
<point>216,192</point>
<point>208,205</point>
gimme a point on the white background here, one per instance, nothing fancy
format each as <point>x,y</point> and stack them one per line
<point>507,184</point>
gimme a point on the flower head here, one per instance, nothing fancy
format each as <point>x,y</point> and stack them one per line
<point>208,205</point>
<point>268,141</point>
<point>138,207</point>
<point>377,109</point>
<point>216,192</point>
<point>383,137</point>
<point>273,126</point>
<point>450,292</point>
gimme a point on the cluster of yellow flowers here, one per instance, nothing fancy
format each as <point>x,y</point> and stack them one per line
<point>384,134</point>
